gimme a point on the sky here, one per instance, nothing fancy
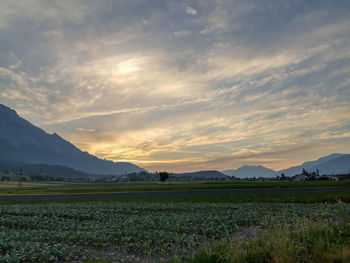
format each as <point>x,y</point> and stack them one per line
<point>182,85</point>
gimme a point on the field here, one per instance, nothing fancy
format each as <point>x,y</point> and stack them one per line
<point>241,191</point>
<point>32,187</point>
<point>145,231</point>
<point>176,222</point>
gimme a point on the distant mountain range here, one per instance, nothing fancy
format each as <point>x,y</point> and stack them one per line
<point>211,174</point>
<point>55,171</point>
<point>247,171</point>
<point>25,146</point>
<point>332,164</point>
<point>23,142</point>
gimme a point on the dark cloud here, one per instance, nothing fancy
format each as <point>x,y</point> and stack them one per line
<point>181,81</point>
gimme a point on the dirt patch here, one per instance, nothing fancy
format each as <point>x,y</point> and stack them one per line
<point>247,233</point>
<point>118,254</point>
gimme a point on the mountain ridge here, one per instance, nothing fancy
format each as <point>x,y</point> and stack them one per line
<point>250,171</point>
<point>207,174</point>
<point>53,171</point>
<point>22,141</point>
<point>336,163</point>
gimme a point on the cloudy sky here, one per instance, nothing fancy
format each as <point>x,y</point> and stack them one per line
<point>182,85</point>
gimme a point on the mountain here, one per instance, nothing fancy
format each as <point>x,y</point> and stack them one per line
<point>212,174</point>
<point>23,142</point>
<point>335,163</point>
<point>332,164</point>
<point>54,171</point>
<point>247,171</point>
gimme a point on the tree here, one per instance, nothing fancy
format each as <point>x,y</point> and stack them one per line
<point>163,176</point>
<point>283,176</point>
<point>305,172</point>
<point>5,178</point>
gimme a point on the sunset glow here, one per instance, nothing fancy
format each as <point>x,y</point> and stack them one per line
<point>182,85</point>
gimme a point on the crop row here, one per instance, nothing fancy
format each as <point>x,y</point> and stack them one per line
<point>52,232</point>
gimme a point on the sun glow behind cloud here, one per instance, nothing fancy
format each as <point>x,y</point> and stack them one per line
<point>182,85</point>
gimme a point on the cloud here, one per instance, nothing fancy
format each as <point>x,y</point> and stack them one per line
<point>277,158</point>
<point>183,33</point>
<point>40,11</point>
<point>191,11</point>
<point>85,130</point>
<point>139,82</point>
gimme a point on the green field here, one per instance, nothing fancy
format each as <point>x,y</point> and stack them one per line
<point>241,191</point>
<point>86,187</point>
<point>153,231</point>
<point>175,222</point>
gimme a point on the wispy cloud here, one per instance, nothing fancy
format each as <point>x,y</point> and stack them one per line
<point>182,33</point>
<point>191,11</point>
<point>178,85</point>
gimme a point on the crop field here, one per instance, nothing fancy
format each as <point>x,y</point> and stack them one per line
<point>154,231</point>
<point>175,222</point>
<point>295,195</point>
<point>32,187</point>
<point>14,185</point>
